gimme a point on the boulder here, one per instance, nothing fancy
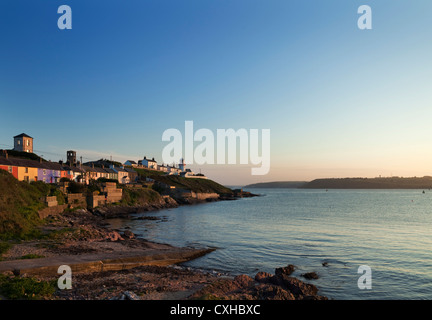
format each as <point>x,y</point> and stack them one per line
<point>128,234</point>
<point>272,292</point>
<point>263,277</point>
<point>114,236</point>
<point>285,270</point>
<point>243,281</point>
<point>297,287</point>
<point>310,275</point>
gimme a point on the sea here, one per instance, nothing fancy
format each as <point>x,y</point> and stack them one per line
<point>363,244</point>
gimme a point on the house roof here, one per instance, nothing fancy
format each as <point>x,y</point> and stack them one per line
<point>23,135</point>
<point>131,161</point>
<point>19,162</point>
<point>74,169</point>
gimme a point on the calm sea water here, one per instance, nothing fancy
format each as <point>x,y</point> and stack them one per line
<point>388,230</point>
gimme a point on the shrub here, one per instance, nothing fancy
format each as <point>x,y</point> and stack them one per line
<point>26,288</point>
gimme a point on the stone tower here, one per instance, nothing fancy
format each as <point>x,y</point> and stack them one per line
<point>71,157</point>
<point>23,142</point>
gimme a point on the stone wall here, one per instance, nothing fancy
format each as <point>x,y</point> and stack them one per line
<point>52,211</point>
<point>77,199</point>
<point>51,201</point>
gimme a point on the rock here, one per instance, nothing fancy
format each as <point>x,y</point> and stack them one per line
<point>264,286</point>
<point>129,295</point>
<point>114,236</point>
<point>128,234</point>
<point>285,270</point>
<point>310,275</point>
<point>243,281</point>
<point>272,292</point>
<point>263,277</point>
<point>297,287</point>
<point>325,264</point>
<point>126,295</point>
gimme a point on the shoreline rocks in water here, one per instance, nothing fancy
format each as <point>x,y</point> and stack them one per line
<point>265,286</point>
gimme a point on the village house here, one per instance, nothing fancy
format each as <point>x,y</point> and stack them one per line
<point>112,175</point>
<point>75,173</point>
<point>7,165</point>
<point>163,168</point>
<point>172,170</point>
<point>149,164</point>
<point>133,175</point>
<point>131,163</point>
<point>123,175</point>
<point>51,172</point>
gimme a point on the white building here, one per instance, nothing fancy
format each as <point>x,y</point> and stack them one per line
<point>150,164</point>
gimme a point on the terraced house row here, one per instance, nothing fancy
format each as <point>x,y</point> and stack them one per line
<point>26,169</point>
<point>52,172</point>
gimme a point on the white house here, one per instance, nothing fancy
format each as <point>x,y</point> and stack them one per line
<point>131,163</point>
<point>150,164</point>
<point>163,168</point>
<point>172,170</point>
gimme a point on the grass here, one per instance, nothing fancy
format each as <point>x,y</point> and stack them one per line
<point>133,197</point>
<point>19,205</point>
<point>194,184</point>
<point>17,288</point>
<point>31,256</point>
<point>4,247</point>
<point>148,173</point>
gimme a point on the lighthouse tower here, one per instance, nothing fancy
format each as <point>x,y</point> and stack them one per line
<point>182,165</point>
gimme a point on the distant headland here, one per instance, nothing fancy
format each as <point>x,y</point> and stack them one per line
<point>352,183</point>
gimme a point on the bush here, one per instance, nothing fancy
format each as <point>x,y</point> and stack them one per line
<point>75,187</point>
<point>26,288</point>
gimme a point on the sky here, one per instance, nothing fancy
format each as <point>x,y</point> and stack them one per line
<point>339,101</point>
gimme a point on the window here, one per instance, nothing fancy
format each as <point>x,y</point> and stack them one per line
<point>28,143</point>
<point>10,169</point>
<point>19,142</point>
<point>26,178</point>
<point>26,170</point>
<point>44,172</point>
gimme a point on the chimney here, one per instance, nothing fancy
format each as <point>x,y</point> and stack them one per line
<point>40,159</point>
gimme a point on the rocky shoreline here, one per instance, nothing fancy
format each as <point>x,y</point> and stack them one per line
<point>83,234</point>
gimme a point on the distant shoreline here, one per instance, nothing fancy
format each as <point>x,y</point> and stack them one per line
<point>351,183</point>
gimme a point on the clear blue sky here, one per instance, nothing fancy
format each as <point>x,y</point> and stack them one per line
<point>339,101</point>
